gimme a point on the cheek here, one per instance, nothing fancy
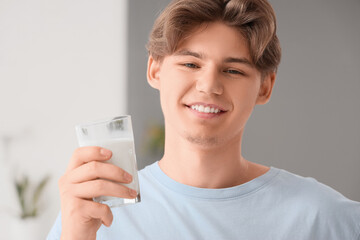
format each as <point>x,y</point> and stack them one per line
<point>169,96</point>
<point>244,99</point>
<point>173,86</point>
<point>246,93</point>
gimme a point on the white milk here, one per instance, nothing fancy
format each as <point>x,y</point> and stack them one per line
<point>123,156</point>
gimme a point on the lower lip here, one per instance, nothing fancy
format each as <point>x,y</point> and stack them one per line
<point>205,115</point>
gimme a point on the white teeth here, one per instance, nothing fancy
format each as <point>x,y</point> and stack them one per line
<point>201,108</point>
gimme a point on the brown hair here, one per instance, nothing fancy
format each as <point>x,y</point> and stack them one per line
<point>255,19</point>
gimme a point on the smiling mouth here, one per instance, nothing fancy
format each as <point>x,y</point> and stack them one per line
<point>205,109</point>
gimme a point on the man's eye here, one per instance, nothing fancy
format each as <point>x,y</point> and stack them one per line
<point>190,65</point>
<point>232,71</point>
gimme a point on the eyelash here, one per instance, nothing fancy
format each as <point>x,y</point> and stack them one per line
<point>230,71</point>
<point>190,65</point>
<point>233,71</point>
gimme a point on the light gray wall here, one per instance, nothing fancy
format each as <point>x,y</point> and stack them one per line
<point>311,125</point>
<point>143,101</point>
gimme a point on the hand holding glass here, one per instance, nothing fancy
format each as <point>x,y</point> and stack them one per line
<point>117,136</point>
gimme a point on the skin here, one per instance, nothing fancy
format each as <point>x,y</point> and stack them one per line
<point>205,151</point>
<point>212,66</point>
<point>80,216</point>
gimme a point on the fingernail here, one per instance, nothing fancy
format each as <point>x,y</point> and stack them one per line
<point>127,177</point>
<point>105,152</point>
<point>132,193</point>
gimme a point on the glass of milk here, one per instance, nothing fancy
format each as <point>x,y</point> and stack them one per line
<point>116,135</point>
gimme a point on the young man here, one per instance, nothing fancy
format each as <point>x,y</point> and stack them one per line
<point>212,62</point>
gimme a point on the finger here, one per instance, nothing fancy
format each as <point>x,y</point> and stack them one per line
<point>87,154</point>
<point>99,211</point>
<point>94,170</point>
<point>100,187</point>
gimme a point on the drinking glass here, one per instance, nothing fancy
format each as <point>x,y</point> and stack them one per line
<point>116,135</point>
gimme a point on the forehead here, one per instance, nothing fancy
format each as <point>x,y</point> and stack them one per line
<point>217,35</point>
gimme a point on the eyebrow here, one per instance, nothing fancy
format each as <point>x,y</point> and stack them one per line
<point>187,52</point>
<point>239,60</point>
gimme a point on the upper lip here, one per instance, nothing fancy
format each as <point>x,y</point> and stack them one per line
<point>211,105</point>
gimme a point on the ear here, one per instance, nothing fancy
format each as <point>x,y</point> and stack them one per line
<point>153,70</point>
<point>266,88</point>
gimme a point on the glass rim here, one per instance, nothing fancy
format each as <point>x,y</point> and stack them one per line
<point>103,121</point>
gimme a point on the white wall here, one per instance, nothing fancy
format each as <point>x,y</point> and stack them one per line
<point>62,62</point>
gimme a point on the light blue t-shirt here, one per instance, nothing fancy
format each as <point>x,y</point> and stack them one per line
<point>277,205</point>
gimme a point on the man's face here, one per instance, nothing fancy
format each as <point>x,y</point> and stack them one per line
<point>209,87</point>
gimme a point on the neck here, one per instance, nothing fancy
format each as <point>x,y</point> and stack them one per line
<point>201,166</point>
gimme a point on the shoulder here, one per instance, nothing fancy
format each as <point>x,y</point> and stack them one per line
<point>325,205</point>
<point>307,187</point>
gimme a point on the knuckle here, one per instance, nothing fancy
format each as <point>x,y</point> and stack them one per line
<point>117,172</point>
<point>120,171</point>
<point>93,167</point>
<point>105,208</point>
<point>62,182</point>
<point>86,151</point>
<point>95,150</point>
<point>65,188</point>
<point>75,156</point>
<point>65,192</point>
<point>76,152</point>
<point>75,206</point>
<point>99,185</point>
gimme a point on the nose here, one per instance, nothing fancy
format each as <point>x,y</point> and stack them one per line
<point>209,82</point>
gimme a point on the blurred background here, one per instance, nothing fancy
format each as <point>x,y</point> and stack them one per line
<point>66,62</point>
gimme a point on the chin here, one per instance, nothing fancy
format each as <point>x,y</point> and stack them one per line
<point>203,141</point>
